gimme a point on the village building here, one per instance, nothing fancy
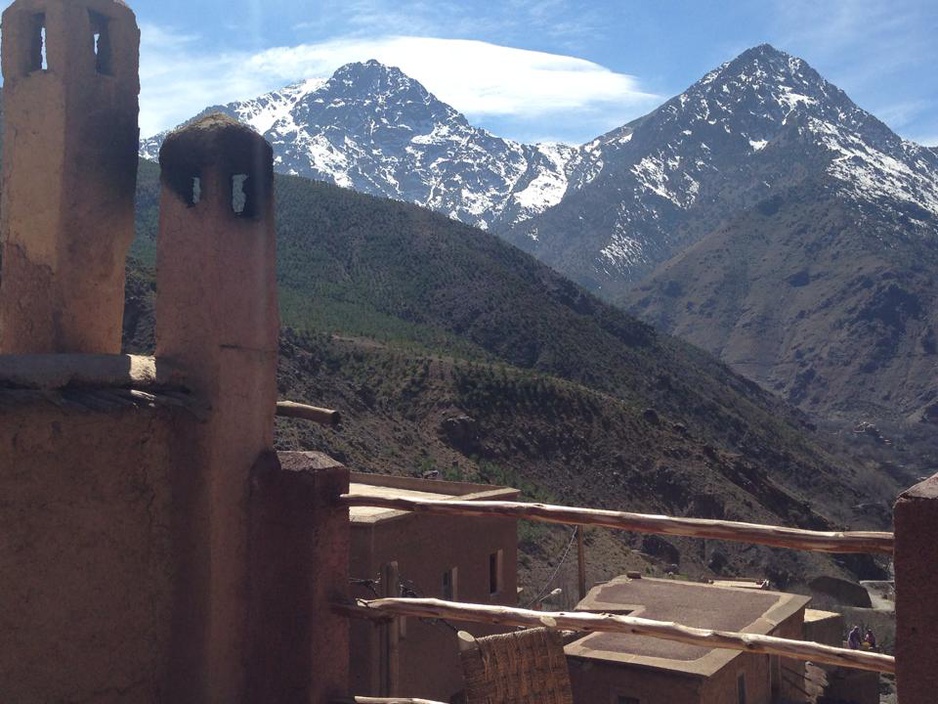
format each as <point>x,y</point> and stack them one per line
<point>607,668</point>
<point>838,684</point>
<point>399,553</point>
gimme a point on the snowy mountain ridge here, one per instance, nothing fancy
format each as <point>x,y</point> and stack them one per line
<point>373,129</point>
<point>760,214</point>
<point>609,211</point>
<point>754,125</point>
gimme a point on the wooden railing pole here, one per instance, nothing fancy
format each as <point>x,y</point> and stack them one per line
<point>323,416</point>
<point>612,623</point>
<point>384,700</point>
<point>869,542</point>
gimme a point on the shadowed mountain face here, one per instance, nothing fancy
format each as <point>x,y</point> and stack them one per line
<point>834,312</point>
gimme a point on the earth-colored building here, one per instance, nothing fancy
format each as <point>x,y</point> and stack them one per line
<point>608,668</point>
<point>396,553</point>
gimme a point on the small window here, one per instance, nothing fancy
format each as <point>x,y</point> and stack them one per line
<point>102,43</point>
<point>195,194</point>
<point>449,586</point>
<point>239,194</point>
<point>37,60</point>
<point>741,688</point>
<point>245,195</point>
<point>495,572</point>
<point>625,699</point>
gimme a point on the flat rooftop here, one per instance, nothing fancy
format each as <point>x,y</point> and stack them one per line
<point>741,609</point>
<point>386,486</point>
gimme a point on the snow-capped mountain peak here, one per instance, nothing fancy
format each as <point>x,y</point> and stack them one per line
<point>266,111</point>
<point>618,205</point>
<point>372,128</point>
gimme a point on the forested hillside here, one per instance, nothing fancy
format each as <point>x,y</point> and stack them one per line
<point>447,350</point>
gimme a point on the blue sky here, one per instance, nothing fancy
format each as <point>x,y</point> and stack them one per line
<point>531,70</point>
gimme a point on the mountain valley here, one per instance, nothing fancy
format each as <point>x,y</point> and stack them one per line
<point>450,352</point>
<point>760,214</point>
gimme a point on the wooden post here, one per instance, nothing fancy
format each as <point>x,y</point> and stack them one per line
<point>323,416</point>
<point>391,581</point>
<point>581,562</point>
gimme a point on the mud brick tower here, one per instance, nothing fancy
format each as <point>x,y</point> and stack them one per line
<point>70,98</point>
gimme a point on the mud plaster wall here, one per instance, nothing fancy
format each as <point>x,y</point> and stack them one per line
<point>424,548</point>
<point>916,556</point>
<point>86,555</point>
<point>69,171</point>
<point>299,543</point>
<point>597,682</point>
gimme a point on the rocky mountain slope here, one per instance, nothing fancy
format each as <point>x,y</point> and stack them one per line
<point>835,312</point>
<point>746,132</point>
<point>812,273</point>
<point>448,351</point>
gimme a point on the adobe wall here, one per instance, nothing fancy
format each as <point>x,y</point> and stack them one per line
<point>88,555</point>
<point>787,672</point>
<point>825,627</point>
<point>722,687</point>
<point>424,547</point>
<point>595,681</point>
<point>598,681</point>
<point>915,557</point>
<point>299,547</point>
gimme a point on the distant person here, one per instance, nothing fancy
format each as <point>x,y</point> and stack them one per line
<point>853,638</point>
<point>869,640</point>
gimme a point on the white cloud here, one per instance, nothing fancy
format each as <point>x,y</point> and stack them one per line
<point>480,79</point>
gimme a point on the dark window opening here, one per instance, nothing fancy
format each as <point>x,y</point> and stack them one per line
<point>741,688</point>
<point>622,699</point>
<point>184,181</point>
<point>495,572</point>
<point>38,60</point>
<point>102,43</point>
<point>449,584</point>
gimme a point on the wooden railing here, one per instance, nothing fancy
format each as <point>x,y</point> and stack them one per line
<point>869,542</point>
<point>384,700</point>
<point>588,622</point>
<point>793,538</point>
